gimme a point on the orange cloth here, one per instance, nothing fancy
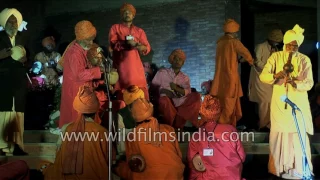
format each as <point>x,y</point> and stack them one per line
<point>231,26</point>
<point>210,110</point>
<point>86,102</point>
<point>162,162</point>
<point>84,30</point>
<point>226,84</point>
<point>127,6</point>
<point>132,93</point>
<point>47,41</point>
<point>177,53</point>
<point>95,159</point>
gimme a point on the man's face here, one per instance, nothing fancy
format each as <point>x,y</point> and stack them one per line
<point>177,62</point>
<point>12,26</point>
<point>292,46</point>
<point>50,46</point>
<point>87,43</point>
<point>127,16</point>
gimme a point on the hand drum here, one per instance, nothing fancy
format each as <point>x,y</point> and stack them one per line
<point>137,163</point>
<point>198,163</point>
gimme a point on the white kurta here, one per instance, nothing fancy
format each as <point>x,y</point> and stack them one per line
<point>285,149</point>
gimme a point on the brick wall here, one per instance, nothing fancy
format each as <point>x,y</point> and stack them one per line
<point>193,26</point>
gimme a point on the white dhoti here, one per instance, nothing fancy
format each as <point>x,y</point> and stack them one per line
<point>285,159</point>
<point>11,130</point>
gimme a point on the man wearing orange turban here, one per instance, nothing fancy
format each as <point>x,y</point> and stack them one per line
<point>75,71</point>
<point>226,84</point>
<point>285,158</point>
<point>127,41</point>
<point>14,80</point>
<point>49,59</point>
<point>260,92</point>
<point>156,143</point>
<point>177,104</point>
<point>228,154</point>
<point>82,159</point>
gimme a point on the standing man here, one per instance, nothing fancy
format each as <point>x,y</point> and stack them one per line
<point>75,69</point>
<point>260,92</point>
<point>126,42</point>
<point>226,84</point>
<point>285,158</point>
<point>14,81</point>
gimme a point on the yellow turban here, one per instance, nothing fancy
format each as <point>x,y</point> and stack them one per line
<point>231,26</point>
<point>179,53</point>
<point>132,93</point>
<point>84,30</point>
<point>6,13</point>
<point>129,7</point>
<point>295,34</point>
<point>276,35</point>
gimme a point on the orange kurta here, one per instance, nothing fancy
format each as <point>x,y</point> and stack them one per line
<point>162,163</point>
<point>226,83</point>
<point>95,162</point>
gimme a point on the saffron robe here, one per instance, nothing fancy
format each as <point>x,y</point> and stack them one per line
<point>228,152</point>
<point>95,163</point>
<point>75,74</point>
<point>226,84</point>
<point>127,59</point>
<point>285,149</point>
<point>162,163</point>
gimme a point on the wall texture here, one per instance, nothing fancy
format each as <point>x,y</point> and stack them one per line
<point>193,26</point>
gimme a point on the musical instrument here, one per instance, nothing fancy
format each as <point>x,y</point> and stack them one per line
<point>198,163</point>
<point>137,163</point>
<point>18,52</point>
<point>288,68</point>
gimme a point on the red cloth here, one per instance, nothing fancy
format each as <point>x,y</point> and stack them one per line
<point>75,74</point>
<point>17,170</point>
<point>228,153</point>
<point>126,59</point>
<point>177,116</point>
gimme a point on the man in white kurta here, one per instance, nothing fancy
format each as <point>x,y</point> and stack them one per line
<point>260,92</point>
<point>285,159</point>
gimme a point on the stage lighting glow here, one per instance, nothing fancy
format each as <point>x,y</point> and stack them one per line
<point>317,45</point>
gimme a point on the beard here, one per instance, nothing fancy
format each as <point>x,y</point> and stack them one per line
<point>11,31</point>
<point>127,19</point>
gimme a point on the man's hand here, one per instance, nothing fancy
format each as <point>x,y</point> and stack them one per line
<point>132,43</point>
<point>291,81</point>
<point>173,86</point>
<point>280,75</point>
<point>167,92</point>
<point>4,53</point>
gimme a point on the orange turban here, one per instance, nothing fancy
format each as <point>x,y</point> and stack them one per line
<point>132,93</point>
<point>86,102</point>
<point>231,26</point>
<point>84,30</point>
<point>127,6</point>
<point>177,53</point>
<point>48,40</point>
<point>210,110</point>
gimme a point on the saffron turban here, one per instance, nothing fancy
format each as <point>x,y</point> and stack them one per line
<point>295,34</point>
<point>210,109</point>
<point>86,101</point>
<point>177,53</point>
<point>47,41</point>
<point>132,93</point>
<point>276,35</point>
<point>6,13</point>
<point>231,26</point>
<point>127,6</point>
<point>84,30</point>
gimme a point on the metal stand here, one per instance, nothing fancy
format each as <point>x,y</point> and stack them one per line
<point>307,175</point>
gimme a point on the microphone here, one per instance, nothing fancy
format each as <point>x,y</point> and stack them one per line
<point>106,59</point>
<point>285,99</point>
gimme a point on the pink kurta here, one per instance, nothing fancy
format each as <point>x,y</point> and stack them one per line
<point>228,154</point>
<point>75,74</point>
<point>127,59</point>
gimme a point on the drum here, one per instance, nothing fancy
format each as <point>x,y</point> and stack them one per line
<point>137,163</point>
<point>113,77</point>
<point>37,67</point>
<point>18,52</point>
<point>198,163</point>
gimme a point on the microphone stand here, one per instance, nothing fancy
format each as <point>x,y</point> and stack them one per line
<point>305,166</point>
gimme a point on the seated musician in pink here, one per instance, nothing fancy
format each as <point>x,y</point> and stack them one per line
<point>218,155</point>
<point>177,103</point>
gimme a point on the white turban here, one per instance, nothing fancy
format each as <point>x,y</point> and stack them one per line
<point>296,34</point>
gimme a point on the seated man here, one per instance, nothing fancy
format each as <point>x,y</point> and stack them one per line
<point>125,120</point>
<point>160,155</point>
<point>177,103</point>
<point>220,155</point>
<point>18,170</point>
<point>84,159</point>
